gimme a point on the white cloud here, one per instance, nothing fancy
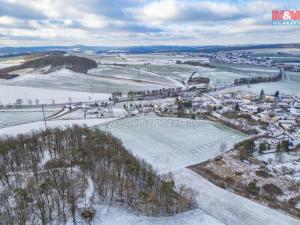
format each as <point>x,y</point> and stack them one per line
<point>158,11</point>
<point>7,21</point>
<point>134,22</point>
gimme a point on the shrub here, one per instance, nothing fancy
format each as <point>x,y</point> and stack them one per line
<point>229,181</point>
<point>272,189</point>
<point>55,163</point>
<point>252,188</point>
<point>262,173</point>
<point>88,213</point>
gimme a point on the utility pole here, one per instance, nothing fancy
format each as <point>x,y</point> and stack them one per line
<point>44,117</point>
<point>91,91</point>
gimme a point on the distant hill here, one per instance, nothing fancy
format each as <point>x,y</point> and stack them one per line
<point>211,49</point>
<point>37,54</point>
<point>54,62</point>
<point>8,51</point>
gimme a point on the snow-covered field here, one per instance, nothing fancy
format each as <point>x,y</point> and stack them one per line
<point>28,127</point>
<point>221,74</point>
<point>285,86</point>
<point>9,95</point>
<point>126,73</point>
<point>290,86</point>
<point>139,72</point>
<point>11,118</point>
<point>158,58</point>
<point>5,65</point>
<point>172,143</point>
<point>180,72</point>
<point>11,61</point>
<point>65,79</point>
<point>140,59</point>
<point>164,64</point>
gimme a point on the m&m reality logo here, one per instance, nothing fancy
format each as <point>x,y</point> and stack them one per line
<point>286,17</point>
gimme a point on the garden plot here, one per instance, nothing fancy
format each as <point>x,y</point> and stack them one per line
<point>285,164</point>
<point>172,143</point>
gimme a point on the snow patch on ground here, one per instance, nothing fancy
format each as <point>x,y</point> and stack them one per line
<point>88,195</point>
<point>6,65</point>
<point>46,158</point>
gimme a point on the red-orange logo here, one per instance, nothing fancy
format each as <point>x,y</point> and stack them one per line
<point>286,17</point>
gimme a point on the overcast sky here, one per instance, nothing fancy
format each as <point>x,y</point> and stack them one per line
<point>142,22</point>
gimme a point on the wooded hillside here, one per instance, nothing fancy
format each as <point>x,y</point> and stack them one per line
<point>44,178</point>
<point>54,62</point>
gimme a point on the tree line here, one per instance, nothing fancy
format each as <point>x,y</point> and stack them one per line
<point>259,79</point>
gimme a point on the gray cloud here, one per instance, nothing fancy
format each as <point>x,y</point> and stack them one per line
<point>115,9</point>
<point>132,27</point>
<point>202,14</point>
<point>19,11</point>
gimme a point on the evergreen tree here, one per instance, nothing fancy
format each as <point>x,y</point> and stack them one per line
<point>262,148</point>
<point>278,147</point>
<point>285,145</point>
<point>237,107</point>
<point>262,94</point>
